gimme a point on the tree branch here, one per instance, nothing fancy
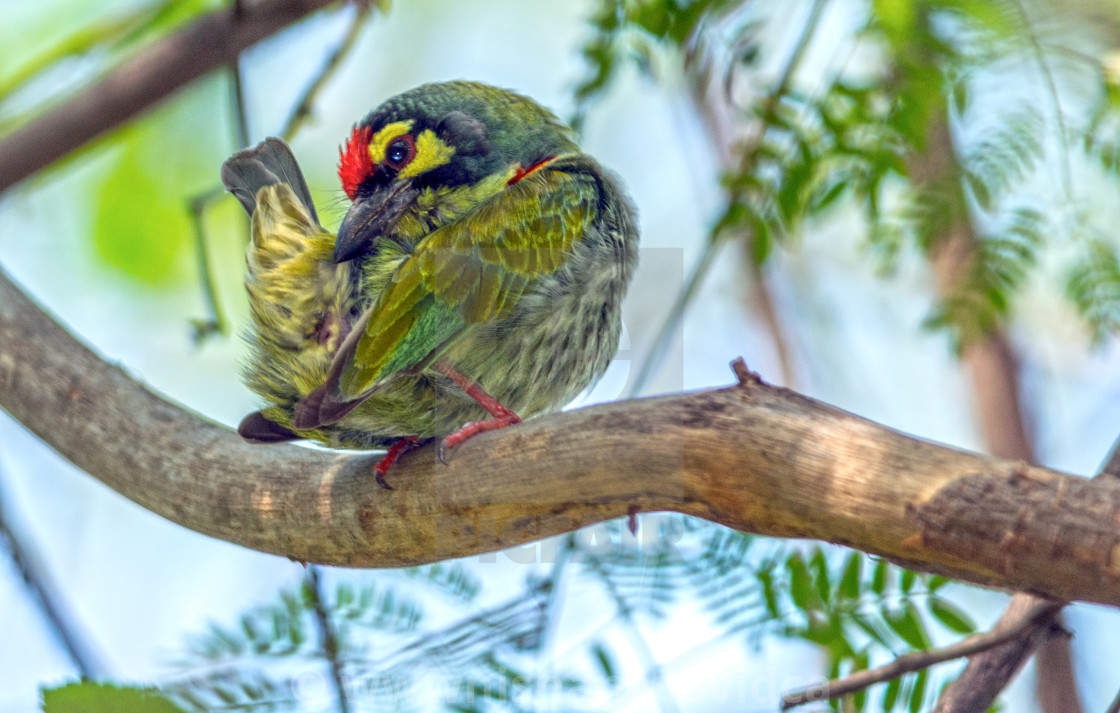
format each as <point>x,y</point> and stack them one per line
<point>211,41</point>
<point>988,673</point>
<point>751,457</point>
<point>918,660</point>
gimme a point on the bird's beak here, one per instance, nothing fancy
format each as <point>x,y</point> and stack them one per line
<point>371,217</point>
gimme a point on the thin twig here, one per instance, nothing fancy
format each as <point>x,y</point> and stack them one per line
<point>1055,99</point>
<point>215,322</point>
<point>306,103</point>
<point>665,699</point>
<point>142,80</point>
<point>328,639</point>
<point>45,595</point>
<point>703,266</point>
<point>919,660</point>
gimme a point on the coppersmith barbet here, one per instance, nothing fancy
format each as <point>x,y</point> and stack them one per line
<point>477,277</point>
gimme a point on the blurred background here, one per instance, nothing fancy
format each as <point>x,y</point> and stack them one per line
<point>903,208</point>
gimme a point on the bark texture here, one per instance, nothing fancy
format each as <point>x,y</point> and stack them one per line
<point>752,457</point>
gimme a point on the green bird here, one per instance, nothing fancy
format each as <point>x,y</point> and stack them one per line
<point>477,277</point>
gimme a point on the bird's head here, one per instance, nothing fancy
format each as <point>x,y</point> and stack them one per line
<point>437,135</point>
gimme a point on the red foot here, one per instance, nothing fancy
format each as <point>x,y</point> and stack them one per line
<point>397,450</point>
<point>502,416</point>
<point>474,428</point>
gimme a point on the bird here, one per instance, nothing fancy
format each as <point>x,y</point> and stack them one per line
<point>476,279</point>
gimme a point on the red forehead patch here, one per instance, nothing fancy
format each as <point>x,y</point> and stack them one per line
<point>354,163</point>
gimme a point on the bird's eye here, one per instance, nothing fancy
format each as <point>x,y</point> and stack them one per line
<point>399,152</point>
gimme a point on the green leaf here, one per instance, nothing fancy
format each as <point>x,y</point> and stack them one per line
<point>979,190</point>
<point>879,577</point>
<point>141,228</point>
<point>819,565</point>
<point>906,582</point>
<point>890,696</point>
<point>918,693</point>
<point>800,582</point>
<point>951,616</point>
<point>907,623</point>
<point>606,664</point>
<point>89,697</point>
<point>850,579</point>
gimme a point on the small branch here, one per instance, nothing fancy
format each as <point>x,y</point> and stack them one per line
<point>1002,633</point>
<point>213,40</point>
<point>327,638</point>
<point>216,322</point>
<point>306,103</point>
<point>988,673</point>
<point>43,593</point>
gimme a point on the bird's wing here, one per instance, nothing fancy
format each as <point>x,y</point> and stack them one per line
<point>462,273</point>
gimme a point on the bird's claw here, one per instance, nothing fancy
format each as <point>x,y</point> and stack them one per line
<point>379,476</point>
<point>443,451</point>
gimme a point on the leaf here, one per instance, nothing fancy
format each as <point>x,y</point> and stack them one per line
<point>820,576</point>
<point>800,582</point>
<point>918,693</point>
<point>140,228</point>
<point>90,697</point>
<point>907,623</point>
<point>850,579</point>
<point>890,696</point>
<point>879,577</point>
<point>951,616</point>
<point>906,582</point>
<point>606,663</point>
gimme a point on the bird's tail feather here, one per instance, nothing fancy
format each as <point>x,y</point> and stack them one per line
<point>268,163</point>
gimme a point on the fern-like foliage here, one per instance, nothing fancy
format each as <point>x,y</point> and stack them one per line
<point>388,657</point>
<point>920,124</point>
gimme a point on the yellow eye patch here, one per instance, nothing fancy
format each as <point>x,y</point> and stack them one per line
<point>431,151</point>
<point>382,138</point>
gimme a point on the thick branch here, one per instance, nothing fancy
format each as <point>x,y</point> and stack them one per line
<point>751,457</point>
<point>213,40</point>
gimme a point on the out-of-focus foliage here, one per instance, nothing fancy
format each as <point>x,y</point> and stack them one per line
<point>899,136</point>
<point>385,650</point>
<point>898,127</point>
<point>90,697</point>
<point>104,40</point>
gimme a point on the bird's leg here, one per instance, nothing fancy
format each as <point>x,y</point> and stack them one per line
<point>396,450</point>
<point>502,416</point>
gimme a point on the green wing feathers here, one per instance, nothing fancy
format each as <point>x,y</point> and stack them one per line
<point>468,272</point>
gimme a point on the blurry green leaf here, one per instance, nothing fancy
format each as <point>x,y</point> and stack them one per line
<point>89,697</point>
<point>960,96</point>
<point>907,623</point>
<point>879,577</point>
<point>141,226</point>
<point>850,579</point>
<point>800,582</point>
<point>606,664</point>
<point>918,693</point>
<point>951,616</point>
<point>906,581</point>
<point>890,695</point>
<point>819,565</point>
